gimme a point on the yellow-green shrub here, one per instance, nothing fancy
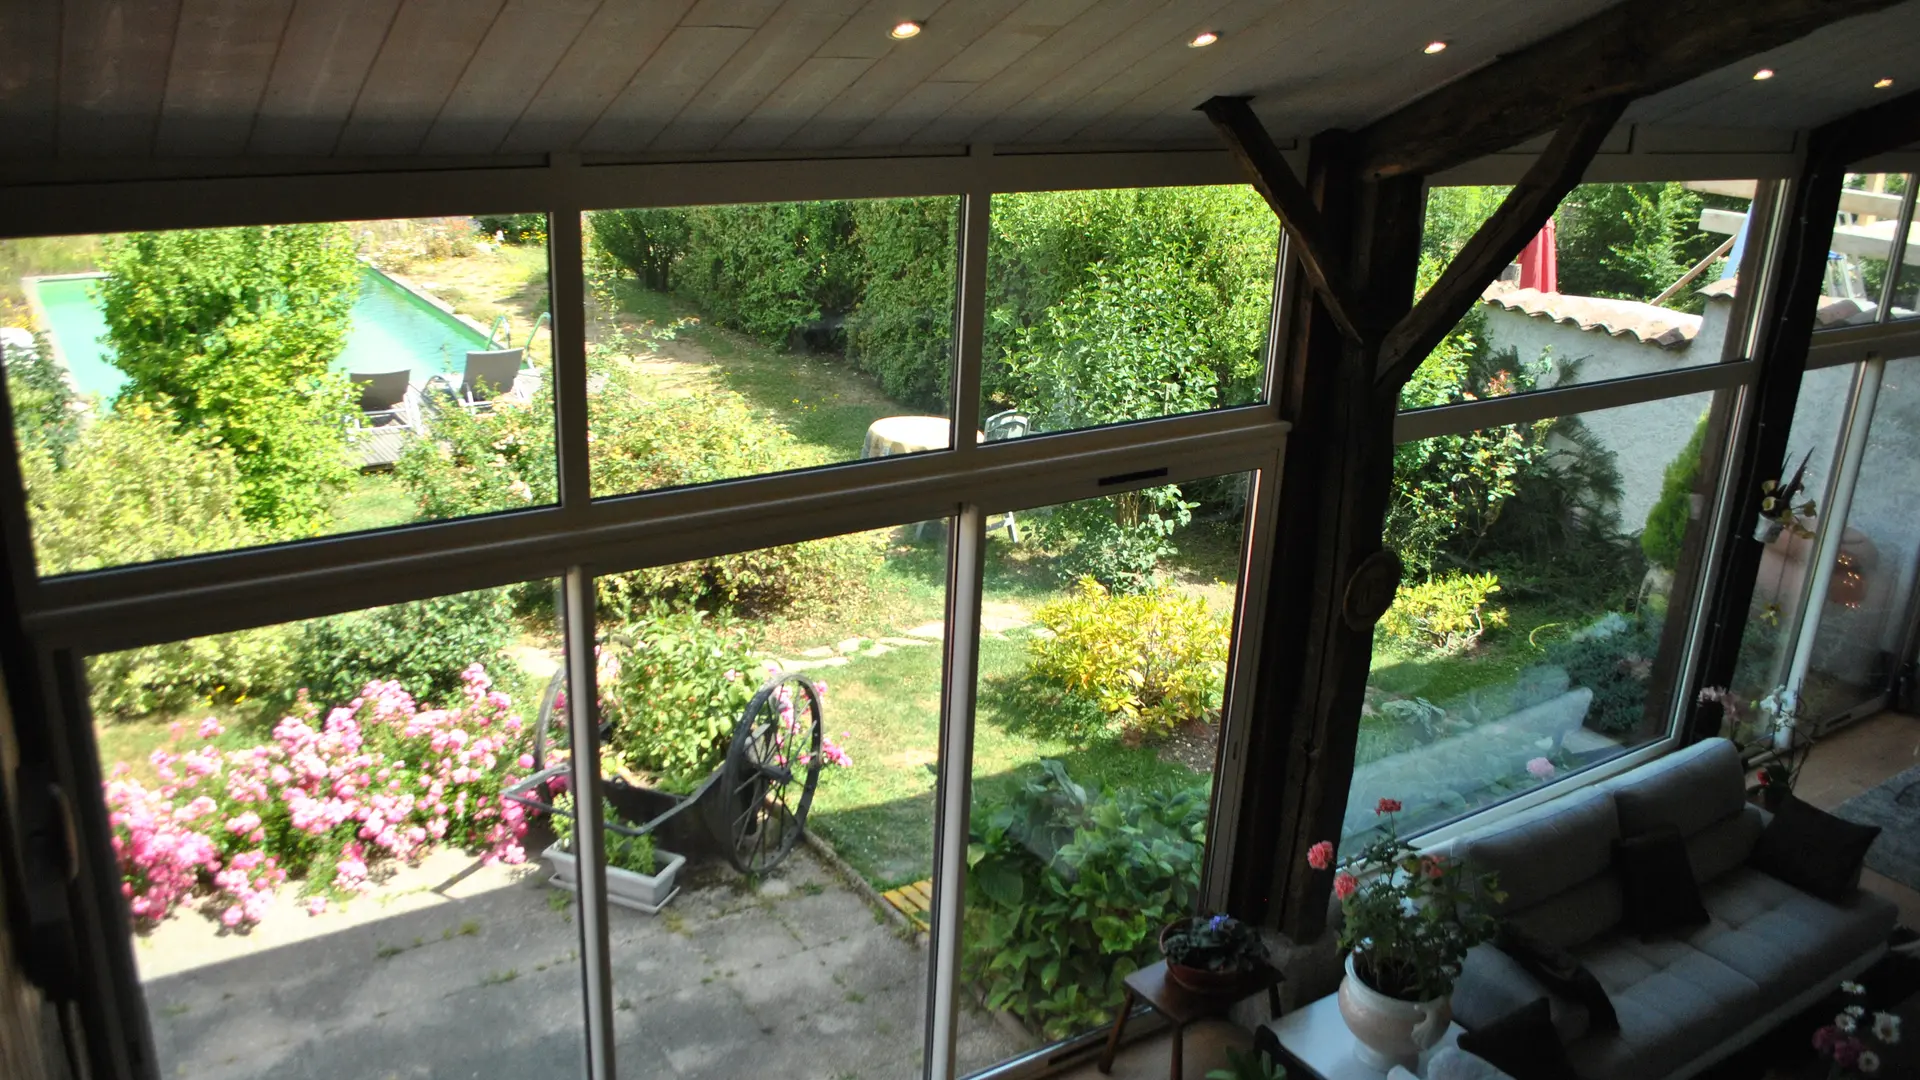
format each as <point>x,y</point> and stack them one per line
<point>1151,661</point>
<point>1447,612</point>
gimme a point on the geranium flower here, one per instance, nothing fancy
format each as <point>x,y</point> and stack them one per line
<point>1345,885</point>
<point>1387,806</point>
<point>1541,769</point>
<point>1320,855</point>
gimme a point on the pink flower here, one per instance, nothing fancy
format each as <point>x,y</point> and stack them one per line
<point>1846,1052</point>
<point>1345,885</point>
<point>1387,806</point>
<point>1434,866</point>
<point>210,728</point>
<point>1541,769</point>
<point>1320,855</point>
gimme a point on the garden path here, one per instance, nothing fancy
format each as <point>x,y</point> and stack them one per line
<point>453,969</point>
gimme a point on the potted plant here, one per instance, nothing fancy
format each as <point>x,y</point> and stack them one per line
<point>1409,920</point>
<point>1211,954</point>
<point>1771,738</point>
<point>1852,1043</point>
<point>638,876</point>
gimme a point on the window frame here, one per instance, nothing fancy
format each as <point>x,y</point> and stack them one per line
<point>579,536</point>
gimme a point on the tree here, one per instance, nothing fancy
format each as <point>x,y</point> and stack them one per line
<point>1630,241</point>
<point>44,404</point>
<point>1667,521</point>
<point>232,331</point>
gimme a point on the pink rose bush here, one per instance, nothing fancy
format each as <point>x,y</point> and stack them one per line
<point>327,800</point>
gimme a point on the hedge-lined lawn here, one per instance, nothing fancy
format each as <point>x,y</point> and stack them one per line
<point>885,712</point>
<point>819,399</point>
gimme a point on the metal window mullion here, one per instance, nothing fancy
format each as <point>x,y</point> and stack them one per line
<point>970,311</point>
<point>967,539</point>
<point>596,960</point>
<point>1567,400</point>
<point>1236,714</point>
<point>566,280</point>
<point>1897,255</point>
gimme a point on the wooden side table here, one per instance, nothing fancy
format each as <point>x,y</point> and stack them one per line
<point>1182,1006</point>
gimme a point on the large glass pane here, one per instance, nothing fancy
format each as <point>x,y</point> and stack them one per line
<point>1103,648</point>
<point>1855,652</point>
<point>1906,291</point>
<point>323,876</point>
<point>745,697</point>
<point>1108,306</point>
<point>1625,279</point>
<point>1861,255</point>
<point>177,393</point>
<point>730,341</point>
<point>1531,636</point>
<point>1780,588</point>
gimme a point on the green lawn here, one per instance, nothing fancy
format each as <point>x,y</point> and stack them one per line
<point>885,711</point>
<point>373,500</point>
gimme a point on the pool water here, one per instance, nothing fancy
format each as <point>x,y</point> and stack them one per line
<point>392,329</point>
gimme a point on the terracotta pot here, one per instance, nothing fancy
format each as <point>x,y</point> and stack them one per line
<point>1388,1031</point>
<point>1199,980</point>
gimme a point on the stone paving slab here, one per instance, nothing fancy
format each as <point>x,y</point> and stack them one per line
<point>456,970</point>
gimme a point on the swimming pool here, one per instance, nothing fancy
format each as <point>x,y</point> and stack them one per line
<point>392,329</point>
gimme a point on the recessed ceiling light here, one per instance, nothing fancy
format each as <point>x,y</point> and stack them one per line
<point>1763,75</point>
<point>1883,84</point>
<point>1203,39</point>
<point>1434,47</point>
<point>905,30</point>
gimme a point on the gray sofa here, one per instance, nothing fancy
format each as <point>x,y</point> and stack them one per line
<point>1683,1002</point>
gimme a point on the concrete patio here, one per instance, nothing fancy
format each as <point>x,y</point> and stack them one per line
<point>451,969</point>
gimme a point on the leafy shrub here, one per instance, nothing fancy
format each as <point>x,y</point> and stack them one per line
<point>623,852</point>
<point>644,439</point>
<point>1447,613</point>
<point>516,228</point>
<point>1613,657</point>
<point>675,695</point>
<point>1667,521</point>
<point>43,402</point>
<point>325,800</point>
<point>1118,540</point>
<point>901,330</point>
<point>425,645</point>
<point>1151,661</point>
<point>1067,891</point>
<point>233,331</point>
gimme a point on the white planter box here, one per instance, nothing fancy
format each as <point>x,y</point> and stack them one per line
<point>641,892</point>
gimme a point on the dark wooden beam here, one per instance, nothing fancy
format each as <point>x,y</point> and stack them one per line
<point>1631,50</point>
<point>1887,126</point>
<point>1254,149</point>
<point>1525,210</point>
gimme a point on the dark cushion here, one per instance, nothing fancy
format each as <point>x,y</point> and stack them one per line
<point>1561,973</point>
<point>1812,850</point>
<point>1656,883</point>
<point>1522,1044</point>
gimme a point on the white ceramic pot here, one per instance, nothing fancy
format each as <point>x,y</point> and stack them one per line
<point>1388,1031</point>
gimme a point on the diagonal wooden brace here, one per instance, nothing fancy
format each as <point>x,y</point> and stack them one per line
<point>1271,176</point>
<point>1525,210</point>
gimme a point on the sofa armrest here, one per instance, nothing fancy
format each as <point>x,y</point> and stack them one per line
<point>1452,1063</point>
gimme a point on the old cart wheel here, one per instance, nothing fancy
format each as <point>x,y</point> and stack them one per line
<point>767,782</point>
<point>551,731</point>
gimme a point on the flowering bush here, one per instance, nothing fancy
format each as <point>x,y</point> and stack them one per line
<point>1151,661</point>
<point>1410,922</point>
<point>379,778</point>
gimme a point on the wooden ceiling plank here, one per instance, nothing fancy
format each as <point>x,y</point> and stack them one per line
<point>1150,48</point>
<point>515,59</point>
<point>29,79</point>
<point>114,60</point>
<point>905,66</point>
<point>1093,27</point>
<point>754,73</point>
<point>429,49</point>
<point>736,13</point>
<point>679,68</point>
<point>1018,34</point>
<point>603,59</point>
<point>327,51</point>
<point>1632,49</point>
<point>794,102</point>
<point>222,59</point>
<point>865,35</point>
<point>911,113</point>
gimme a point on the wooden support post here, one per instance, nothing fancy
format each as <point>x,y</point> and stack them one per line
<point>1524,211</point>
<point>1338,476</point>
<point>1254,149</point>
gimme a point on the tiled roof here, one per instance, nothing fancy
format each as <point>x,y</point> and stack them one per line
<point>1616,318</point>
<point>1834,310</point>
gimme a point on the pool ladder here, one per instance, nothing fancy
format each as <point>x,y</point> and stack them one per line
<point>500,323</point>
